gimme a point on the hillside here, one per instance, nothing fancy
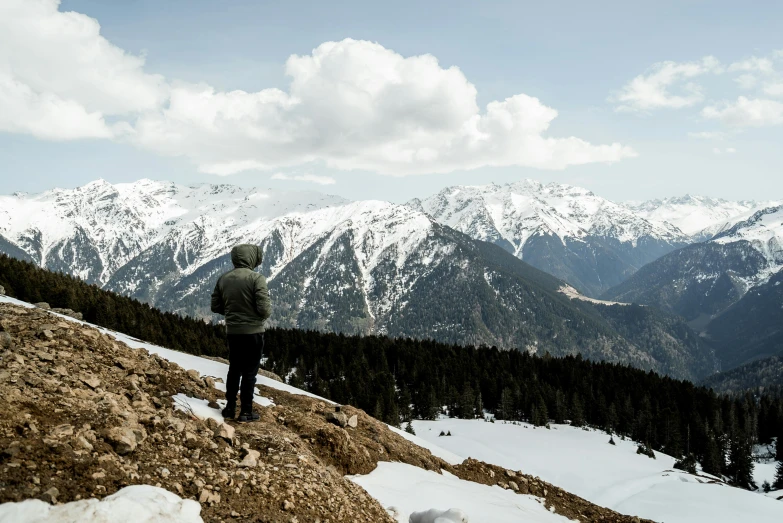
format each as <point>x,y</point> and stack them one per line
<point>493,299</point>
<point>583,239</point>
<point>135,417</point>
<point>763,376</point>
<point>399,378</point>
<point>727,288</point>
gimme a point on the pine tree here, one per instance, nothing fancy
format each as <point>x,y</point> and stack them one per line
<point>779,442</point>
<point>409,428</point>
<point>540,416</point>
<point>577,411</point>
<point>506,404</point>
<point>740,466</point>
<point>713,460</point>
<point>778,483</point>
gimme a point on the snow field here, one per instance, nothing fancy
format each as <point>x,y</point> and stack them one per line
<point>613,476</point>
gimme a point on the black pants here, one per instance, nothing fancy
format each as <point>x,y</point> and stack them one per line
<point>244,358</point>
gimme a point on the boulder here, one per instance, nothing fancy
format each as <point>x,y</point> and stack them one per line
<point>353,421</point>
<point>251,459</point>
<point>5,340</point>
<point>42,305</point>
<point>338,418</point>
<point>2,290</point>
<point>50,496</point>
<point>123,439</point>
<point>225,431</point>
<point>92,382</point>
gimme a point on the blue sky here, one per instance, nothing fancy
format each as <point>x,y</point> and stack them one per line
<point>574,58</point>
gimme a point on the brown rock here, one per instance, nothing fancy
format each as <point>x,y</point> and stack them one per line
<point>50,496</point>
<point>123,439</point>
<point>225,431</point>
<point>338,418</point>
<point>92,382</point>
<point>353,421</point>
<point>251,459</point>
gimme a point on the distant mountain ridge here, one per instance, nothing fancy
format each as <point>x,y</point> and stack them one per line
<point>730,288</point>
<point>700,217</point>
<point>588,241</point>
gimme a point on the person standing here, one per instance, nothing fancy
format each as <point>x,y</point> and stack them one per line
<point>241,295</point>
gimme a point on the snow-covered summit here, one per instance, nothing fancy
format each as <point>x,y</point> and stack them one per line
<point>570,232</point>
<point>517,211</point>
<point>99,227</point>
<point>697,216</point>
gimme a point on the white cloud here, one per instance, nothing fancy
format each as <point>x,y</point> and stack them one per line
<point>708,135</point>
<point>652,90</point>
<point>746,81</point>
<point>753,64</point>
<point>357,105</point>
<point>727,150</point>
<point>350,105</point>
<point>747,112</point>
<point>312,178</point>
<point>774,89</point>
<point>59,77</point>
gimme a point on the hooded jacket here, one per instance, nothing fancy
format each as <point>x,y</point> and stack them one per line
<point>241,295</point>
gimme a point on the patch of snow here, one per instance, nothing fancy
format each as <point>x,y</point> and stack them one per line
<point>408,491</point>
<point>574,295</point>
<point>145,503</point>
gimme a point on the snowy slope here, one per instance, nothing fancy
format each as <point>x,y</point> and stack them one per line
<point>697,216</point>
<point>590,242</point>
<point>764,231</point>
<point>405,489</point>
<point>614,476</point>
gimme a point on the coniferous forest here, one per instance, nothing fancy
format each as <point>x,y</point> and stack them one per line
<point>399,379</point>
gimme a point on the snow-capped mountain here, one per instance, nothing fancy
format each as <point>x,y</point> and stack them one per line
<point>722,286</point>
<point>588,241</point>
<point>353,267</point>
<point>700,217</point>
<point>94,230</point>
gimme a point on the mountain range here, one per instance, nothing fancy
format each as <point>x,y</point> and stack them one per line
<point>461,266</point>
<point>569,232</point>
<point>729,288</point>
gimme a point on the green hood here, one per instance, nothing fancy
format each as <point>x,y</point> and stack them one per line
<point>246,256</point>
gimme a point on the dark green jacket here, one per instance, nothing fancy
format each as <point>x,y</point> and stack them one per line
<point>241,295</point>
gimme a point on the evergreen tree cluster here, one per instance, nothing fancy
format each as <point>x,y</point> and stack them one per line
<point>399,379</point>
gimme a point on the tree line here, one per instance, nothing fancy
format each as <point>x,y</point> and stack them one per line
<point>398,379</point>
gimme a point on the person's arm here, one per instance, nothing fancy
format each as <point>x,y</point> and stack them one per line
<point>263,303</point>
<point>218,307</point>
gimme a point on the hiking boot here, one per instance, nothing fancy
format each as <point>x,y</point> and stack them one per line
<point>230,411</point>
<point>248,415</point>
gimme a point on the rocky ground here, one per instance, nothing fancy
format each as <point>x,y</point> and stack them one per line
<point>83,415</point>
